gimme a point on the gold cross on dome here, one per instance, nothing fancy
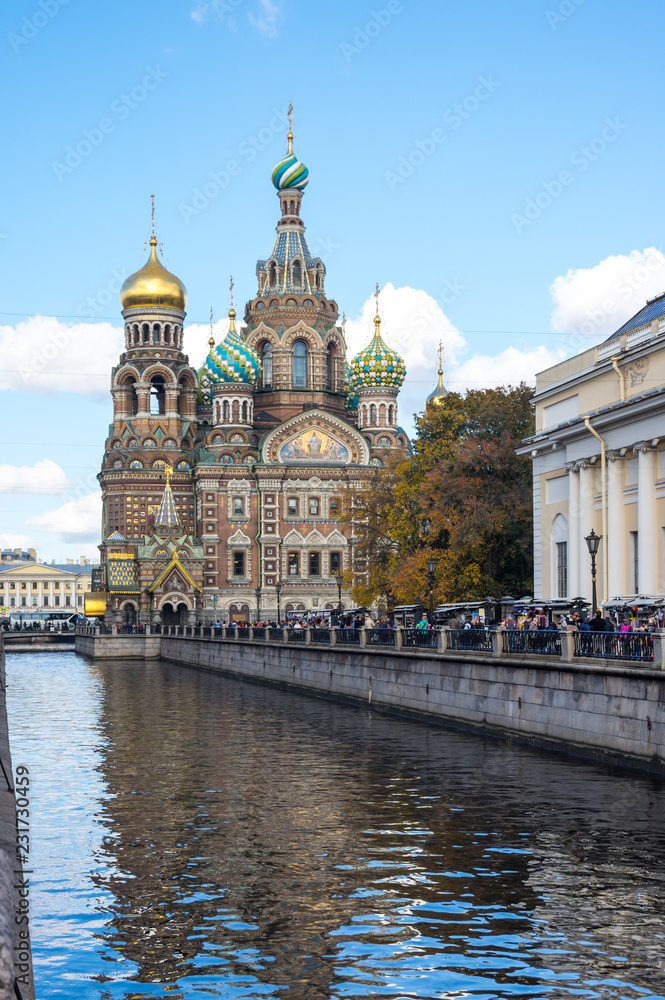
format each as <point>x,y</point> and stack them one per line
<point>232,291</point>
<point>168,472</point>
<point>376,296</point>
<point>211,341</point>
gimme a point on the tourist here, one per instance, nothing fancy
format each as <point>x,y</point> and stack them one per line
<point>423,624</point>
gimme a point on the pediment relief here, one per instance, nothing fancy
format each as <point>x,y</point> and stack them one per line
<point>315,538</point>
<point>294,538</point>
<point>239,484</point>
<point>239,538</point>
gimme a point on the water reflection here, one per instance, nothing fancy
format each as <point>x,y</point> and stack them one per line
<point>247,843</point>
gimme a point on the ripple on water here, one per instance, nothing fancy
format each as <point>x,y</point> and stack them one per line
<point>195,836</point>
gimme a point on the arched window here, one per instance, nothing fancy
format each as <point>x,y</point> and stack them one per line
<point>372,414</point>
<point>130,385</point>
<point>330,367</point>
<point>227,411</point>
<point>390,415</point>
<point>266,365</point>
<point>167,334</point>
<point>146,333</point>
<point>157,396</point>
<point>291,208</point>
<point>155,334</point>
<point>136,334</point>
<point>296,273</point>
<point>238,505</point>
<point>318,279</point>
<point>273,274</point>
<point>244,412</point>
<point>300,365</point>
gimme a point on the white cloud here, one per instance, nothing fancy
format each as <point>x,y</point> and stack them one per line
<point>266,21</point>
<point>9,541</point>
<point>75,521</point>
<point>593,302</point>
<point>510,367</point>
<point>43,355</point>
<point>45,476</point>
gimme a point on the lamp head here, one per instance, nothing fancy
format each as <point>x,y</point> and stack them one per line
<point>592,542</point>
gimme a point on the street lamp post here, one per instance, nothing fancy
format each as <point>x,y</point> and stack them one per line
<point>592,542</point>
<point>278,588</point>
<point>431,570</point>
<point>339,577</point>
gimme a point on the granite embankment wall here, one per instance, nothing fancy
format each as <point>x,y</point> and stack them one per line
<point>15,957</point>
<point>597,710</point>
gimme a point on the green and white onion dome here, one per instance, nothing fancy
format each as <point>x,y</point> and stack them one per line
<point>290,173</point>
<point>230,362</point>
<point>377,365</point>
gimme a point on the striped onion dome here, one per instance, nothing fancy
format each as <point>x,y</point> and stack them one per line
<point>290,173</point>
<point>232,361</point>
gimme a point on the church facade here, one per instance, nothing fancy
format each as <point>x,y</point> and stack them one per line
<point>222,485</point>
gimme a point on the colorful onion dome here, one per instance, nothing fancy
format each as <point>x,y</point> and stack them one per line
<point>377,365</point>
<point>290,173</point>
<point>232,361</point>
<point>153,285</point>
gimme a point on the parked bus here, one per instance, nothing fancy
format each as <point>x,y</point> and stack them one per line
<point>57,621</point>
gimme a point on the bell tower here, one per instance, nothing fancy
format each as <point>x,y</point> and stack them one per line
<point>154,408</point>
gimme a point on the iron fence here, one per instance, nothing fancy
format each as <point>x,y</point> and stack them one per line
<point>614,645</point>
<point>321,635</point>
<point>276,634</point>
<point>347,636</point>
<point>297,635</point>
<point>379,637</point>
<point>420,638</point>
<point>477,640</point>
<point>539,643</point>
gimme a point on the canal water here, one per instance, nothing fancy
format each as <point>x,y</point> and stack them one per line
<point>194,836</point>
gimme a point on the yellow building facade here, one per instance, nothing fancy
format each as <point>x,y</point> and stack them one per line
<point>598,459</point>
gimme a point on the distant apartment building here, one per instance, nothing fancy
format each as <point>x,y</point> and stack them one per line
<point>31,585</point>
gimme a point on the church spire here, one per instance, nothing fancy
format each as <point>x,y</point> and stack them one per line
<point>167,514</point>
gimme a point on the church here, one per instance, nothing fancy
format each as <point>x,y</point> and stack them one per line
<point>221,486</point>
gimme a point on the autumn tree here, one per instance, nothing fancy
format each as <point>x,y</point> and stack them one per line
<point>464,498</point>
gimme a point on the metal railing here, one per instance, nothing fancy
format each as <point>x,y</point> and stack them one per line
<point>540,643</point>
<point>615,645</point>
<point>631,647</point>
<point>379,637</point>
<point>347,636</point>
<point>469,639</point>
<point>420,638</point>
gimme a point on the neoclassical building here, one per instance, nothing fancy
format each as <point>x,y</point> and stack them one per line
<point>221,485</point>
<point>599,462</point>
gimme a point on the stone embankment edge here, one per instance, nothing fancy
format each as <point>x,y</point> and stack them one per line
<point>10,867</point>
<point>608,712</point>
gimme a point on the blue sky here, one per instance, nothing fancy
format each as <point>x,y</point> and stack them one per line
<point>495,167</point>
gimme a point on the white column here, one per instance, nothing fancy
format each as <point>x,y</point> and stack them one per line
<point>647,539</point>
<point>616,527</point>
<point>587,521</point>
<point>573,532</point>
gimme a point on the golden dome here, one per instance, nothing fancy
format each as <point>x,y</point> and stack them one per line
<point>153,285</point>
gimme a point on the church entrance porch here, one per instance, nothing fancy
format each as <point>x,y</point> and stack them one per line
<point>174,614</point>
